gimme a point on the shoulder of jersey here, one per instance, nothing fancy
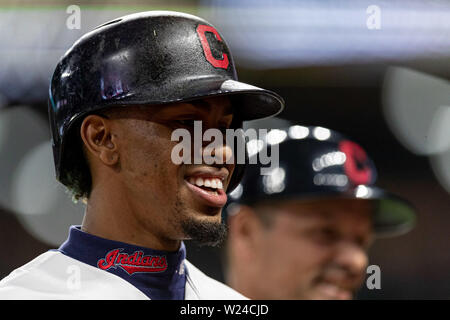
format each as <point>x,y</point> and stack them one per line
<point>207,288</point>
<point>53,275</point>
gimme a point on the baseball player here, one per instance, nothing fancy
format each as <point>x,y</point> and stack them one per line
<point>303,230</point>
<point>116,96</point>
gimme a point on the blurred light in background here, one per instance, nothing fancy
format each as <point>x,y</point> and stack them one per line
<point>441,167</point>
<point>254,146</point>
<point>321,134</point>
<point>21,128</point>
<point>271,34</point>
<point>276,136</point>
<point>363,192</point>
<point>28,186</point>
<point>328,160</point>
<point>298,132</point>
<point>32,185</point>
<point>414,104</point>
<point>417,109</point>
<point>42,204</point>
<point>274,181</point>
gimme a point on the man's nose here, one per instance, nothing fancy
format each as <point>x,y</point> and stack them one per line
<point>215,150</point>
<point>217,153</point>
<point>353,258</point>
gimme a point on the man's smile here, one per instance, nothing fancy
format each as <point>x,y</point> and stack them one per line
<point>207,184</point>
<point>333,291</point>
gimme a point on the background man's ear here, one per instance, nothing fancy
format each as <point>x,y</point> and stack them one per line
<point>98,140</point>
<point>245,229</point>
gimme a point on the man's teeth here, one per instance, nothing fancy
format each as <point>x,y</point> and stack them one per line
<point>198,182</point>
<point>210,183</point>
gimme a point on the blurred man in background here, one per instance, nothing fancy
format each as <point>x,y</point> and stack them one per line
<point>303,231</point>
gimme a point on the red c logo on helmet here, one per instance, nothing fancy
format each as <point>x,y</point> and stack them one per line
<point>201,30</point>
<point>355,166</point>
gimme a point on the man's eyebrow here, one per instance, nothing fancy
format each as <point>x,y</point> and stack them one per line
<point>205,105</point>
<point>325,214</point>
<point>319,213</point>
<point>200,104</point>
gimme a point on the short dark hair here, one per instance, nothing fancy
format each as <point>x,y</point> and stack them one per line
<point>76,175</point>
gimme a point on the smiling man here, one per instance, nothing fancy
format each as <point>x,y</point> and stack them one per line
<point>116,97</point>
<point>304,230</point>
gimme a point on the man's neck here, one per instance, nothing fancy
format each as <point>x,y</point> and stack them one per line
<point>111,215</point>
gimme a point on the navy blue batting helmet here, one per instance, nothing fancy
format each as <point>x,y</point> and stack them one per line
<point>317,163</point>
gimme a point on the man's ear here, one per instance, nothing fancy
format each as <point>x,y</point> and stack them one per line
<point>99,140</point>
<point>245,229</point>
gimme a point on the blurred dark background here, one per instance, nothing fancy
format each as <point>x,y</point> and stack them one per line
<point>385,87</point>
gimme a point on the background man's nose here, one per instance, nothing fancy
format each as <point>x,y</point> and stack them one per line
<point>353,258</point>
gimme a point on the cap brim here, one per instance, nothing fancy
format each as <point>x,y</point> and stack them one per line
<point>393,216</point>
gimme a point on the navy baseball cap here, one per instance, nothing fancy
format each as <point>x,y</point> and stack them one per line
<point>315,164</point>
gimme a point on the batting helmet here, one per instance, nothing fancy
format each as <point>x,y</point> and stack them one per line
<point>317,163</point>
<point>149,58</point>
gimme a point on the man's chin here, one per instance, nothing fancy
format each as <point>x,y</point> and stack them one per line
<point>205,231</point>
<point>330,292</point>
<point>209,213</point>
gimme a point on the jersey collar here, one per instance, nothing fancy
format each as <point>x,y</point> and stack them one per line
<point>158,274</point>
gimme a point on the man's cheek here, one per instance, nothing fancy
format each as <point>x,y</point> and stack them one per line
<point>308,258</point>
<point>319,257</point>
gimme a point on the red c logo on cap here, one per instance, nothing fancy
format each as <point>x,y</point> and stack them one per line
<point>355,166</point>
<point>201,30</point>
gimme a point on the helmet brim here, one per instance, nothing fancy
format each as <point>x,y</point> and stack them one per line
<point>249,102</point>
<point>255,103</point>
